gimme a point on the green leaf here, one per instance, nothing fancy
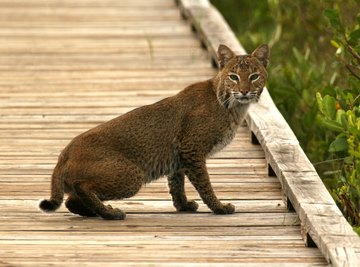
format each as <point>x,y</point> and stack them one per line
<point>333,78</point>
<point>335,44</point>
<point>354,37</point>
<point>319,101</point>
<point>331,13</point>
<point>334,18</point>
<point>341,118</point>
<point>351,118</point>
<point>330,124</point>
<point>299,57</point>
<point>329,104</point>
<point>334,172</point>
<point>349,98</point>
<point>348,159</point>
<point>338,145</point>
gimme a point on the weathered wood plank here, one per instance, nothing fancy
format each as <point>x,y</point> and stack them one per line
<point>220,178</point>
<point>51,221</point>
<point>118,251</point>
<point>263,232</point>
<point>85,3</point>
<point>111,61</point>
<point>215,263</point>
<point>143,45</point>
<point>148,206</point>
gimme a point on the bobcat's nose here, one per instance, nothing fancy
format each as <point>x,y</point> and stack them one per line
<point>244,92</point>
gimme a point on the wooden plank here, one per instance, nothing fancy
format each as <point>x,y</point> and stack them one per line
<point>149,206</point>
<point>95,32</point>
<point>231,232</point>
<point>103,81</point>
<point>222,178</point>
<point>145,196</point>
<point>87,45</point>
<point>118,251</point>
<point>308,195</point>
<point>111,61</point>
<point>85,3</point>
<point>154,256</point>
<point>89,75</point>
<point>218,263</point>
<point>51,221</point>
<point>160,187</point>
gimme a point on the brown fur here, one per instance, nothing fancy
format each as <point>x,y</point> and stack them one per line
<point>172,138</point>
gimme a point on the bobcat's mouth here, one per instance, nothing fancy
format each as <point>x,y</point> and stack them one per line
<point>245,99</point>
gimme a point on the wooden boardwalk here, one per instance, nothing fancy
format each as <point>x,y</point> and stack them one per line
<point>66,66</point>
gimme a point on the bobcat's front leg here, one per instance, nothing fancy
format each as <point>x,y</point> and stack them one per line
<point>177,191</point>
<point>198,176</point>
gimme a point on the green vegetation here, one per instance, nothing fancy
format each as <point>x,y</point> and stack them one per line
<point>314,80</point>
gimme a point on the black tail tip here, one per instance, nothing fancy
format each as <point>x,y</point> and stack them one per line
<point>48,205</point>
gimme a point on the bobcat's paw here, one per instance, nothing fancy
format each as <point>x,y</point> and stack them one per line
<point>113,214</point>
<point>190,206</point>
<point>225,209</point>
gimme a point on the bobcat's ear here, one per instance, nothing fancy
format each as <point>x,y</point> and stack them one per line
<point>224,55</point>
<point>262,53</point>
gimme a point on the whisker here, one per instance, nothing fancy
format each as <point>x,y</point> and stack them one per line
<point>223,99</point>
<point>226,102</point>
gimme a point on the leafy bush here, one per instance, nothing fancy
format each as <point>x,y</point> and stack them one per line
<point>340,113</point>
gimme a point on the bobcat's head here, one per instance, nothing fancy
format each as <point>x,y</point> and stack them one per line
<point>241,79</point>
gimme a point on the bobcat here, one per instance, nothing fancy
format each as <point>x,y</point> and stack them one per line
<point>172,137</point>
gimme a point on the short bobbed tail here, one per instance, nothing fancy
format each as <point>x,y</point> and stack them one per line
<point>49,205</point>
<point>57,193</point>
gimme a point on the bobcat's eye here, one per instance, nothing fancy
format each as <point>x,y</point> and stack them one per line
<point>253,77</point>
<point>234,77</point>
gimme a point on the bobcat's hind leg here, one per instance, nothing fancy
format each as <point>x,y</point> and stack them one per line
<point>75,205</point>
<point>92,202</point>
<point>114,179</point>
<point>177,191</point>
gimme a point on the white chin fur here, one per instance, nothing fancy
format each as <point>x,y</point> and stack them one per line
<point>246,101</point>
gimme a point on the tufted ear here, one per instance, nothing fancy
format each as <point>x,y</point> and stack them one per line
<point>262,53</point>
<point>224,55</point>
